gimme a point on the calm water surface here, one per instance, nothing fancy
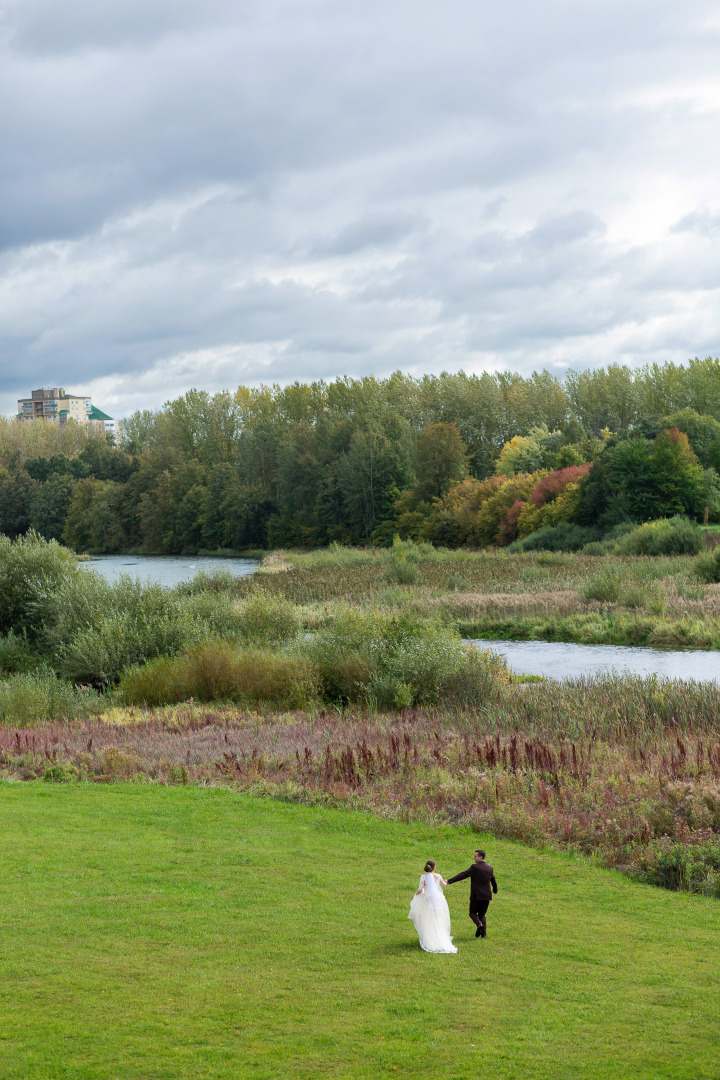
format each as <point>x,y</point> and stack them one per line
<point>560,660</point>
<point>166,570</point>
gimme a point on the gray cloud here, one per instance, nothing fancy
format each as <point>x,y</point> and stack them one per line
<point>376,230</point>
<point>207,193</point>
<point>700,222</point>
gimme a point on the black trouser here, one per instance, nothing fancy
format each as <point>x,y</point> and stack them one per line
<point>478,910</point>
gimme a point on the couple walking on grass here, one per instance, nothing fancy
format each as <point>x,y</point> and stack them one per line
<point>429,910</point>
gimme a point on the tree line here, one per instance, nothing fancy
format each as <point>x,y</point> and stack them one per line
<point>454,458</point>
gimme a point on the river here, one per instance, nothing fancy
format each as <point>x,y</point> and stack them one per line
<point>167,570</point>
<point>562,660</point>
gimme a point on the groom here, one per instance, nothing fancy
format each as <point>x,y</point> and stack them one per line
<point>481,878</point>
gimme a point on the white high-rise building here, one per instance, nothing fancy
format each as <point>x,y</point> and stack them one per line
<point>57,405</point>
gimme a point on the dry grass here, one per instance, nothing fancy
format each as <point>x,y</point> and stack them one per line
<point>467,605</point>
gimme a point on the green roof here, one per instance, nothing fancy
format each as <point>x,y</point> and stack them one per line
<point>97,414</point>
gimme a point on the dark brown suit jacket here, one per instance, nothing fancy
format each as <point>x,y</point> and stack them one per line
<point>482,881</point>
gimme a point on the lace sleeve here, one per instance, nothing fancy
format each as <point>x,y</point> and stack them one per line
<point>421,886</point>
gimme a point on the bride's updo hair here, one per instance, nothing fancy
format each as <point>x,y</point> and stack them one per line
<point>429,866</point>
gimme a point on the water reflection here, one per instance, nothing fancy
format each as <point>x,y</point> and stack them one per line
<point>562,660</point>
<point>167,570</point>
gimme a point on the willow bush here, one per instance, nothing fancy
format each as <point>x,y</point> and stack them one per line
<point>34,698</point>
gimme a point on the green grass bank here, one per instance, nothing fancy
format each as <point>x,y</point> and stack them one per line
<point>154,932</point>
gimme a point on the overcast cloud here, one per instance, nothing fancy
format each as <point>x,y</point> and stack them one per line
<point>214,192</point>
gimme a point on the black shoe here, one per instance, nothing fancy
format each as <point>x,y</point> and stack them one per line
<point>483,933</point>
<point>479,932</point>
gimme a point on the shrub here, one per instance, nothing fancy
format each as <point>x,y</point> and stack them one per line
<point>557,538</point>
<point>100,628</point>
<point>211,614</point>
<point>457,583</point>
<point>605,586</point>
<point>117,764</point>
<point>215,581</point>
<point>706,567</point>
<point>163,681</point>
<point>668,536</point>
<point>387,693</point>
<point>39,698</point>
<point>219,672</point>
<point>472,683</point>
<point>634,597</point>
<point>99,654</point>
<point>412,552</point>
<point>268,620</point>
<point>16,654</point>
<point>31,572</point>
<point>285,681</point>
<point>694,868</point>
<point>597,547</point>
<point>214,670</point>
<point>623,528</point>
<point>61,772</point>
<point>403,573</point>
<point>393,661</point>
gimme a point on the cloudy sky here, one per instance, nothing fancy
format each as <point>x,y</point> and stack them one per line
<point>214,192</point>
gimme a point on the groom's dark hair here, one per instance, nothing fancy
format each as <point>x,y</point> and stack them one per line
<point>480,853</point>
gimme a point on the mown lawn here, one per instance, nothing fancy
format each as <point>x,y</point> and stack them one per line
<point>182,932</point>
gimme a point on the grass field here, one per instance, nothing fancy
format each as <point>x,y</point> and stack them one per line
<point>154,932</point>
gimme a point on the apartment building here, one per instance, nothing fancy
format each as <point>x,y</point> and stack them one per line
<point>55,404</point>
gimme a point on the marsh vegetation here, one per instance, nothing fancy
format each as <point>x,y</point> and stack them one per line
<point>341,676</point>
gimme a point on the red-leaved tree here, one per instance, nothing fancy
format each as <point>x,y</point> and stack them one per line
<point>550,486</point>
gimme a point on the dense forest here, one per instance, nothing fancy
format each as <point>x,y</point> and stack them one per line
<point>455,459</point>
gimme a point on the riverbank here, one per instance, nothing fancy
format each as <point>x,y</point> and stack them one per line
<point>615,627</point>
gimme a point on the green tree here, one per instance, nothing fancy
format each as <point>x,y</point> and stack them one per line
<point>441,460</point>
<point>138,432</point>
<point>619,487</point>
<point>15,496</point>
<point>97,518</point>
<point>703,434</point>
<point>604,399</point>
<point>49,503</point>
<point>676,474</point>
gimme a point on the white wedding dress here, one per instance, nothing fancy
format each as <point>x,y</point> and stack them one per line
<point>430,914</point>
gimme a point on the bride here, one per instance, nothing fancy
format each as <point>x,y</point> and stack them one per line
<point>430,914</point>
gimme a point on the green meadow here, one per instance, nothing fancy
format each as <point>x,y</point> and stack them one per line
<point>157,932</point>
